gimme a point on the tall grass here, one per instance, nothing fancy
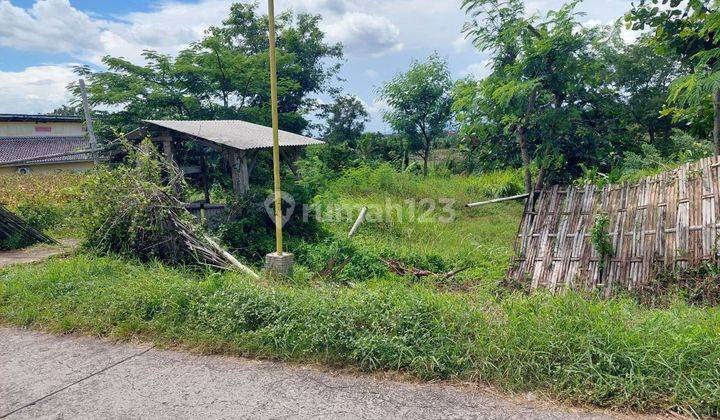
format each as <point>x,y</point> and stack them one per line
<point>385,181</point>
<point>60,188</point>
<point>47,202</point>
<point>612,353</point>
<point>479,238</point>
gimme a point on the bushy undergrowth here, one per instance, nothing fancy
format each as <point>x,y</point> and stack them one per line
<point>698,284</point>
<point>613,353</point>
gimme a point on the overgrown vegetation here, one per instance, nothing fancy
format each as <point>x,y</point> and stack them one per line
<point>47,202</point>
<point>563,103</point>
<point>696,284</point>
<point>611,353</point>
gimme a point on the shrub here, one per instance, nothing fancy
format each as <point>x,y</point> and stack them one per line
<point>698,284</point>
<point>250,231</point>
<point>349,263</point>
<point>42,215</point>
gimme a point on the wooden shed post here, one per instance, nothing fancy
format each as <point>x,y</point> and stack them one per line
<point>239,171</point>
<point>168,147</point>
<point>169,152</point>
<point>204,174</point>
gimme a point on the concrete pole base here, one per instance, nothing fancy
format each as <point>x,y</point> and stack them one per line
<point>279,265</point>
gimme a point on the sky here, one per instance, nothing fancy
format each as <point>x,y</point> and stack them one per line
<point>41,40</point>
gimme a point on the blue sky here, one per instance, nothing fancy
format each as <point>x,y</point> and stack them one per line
<point>40,40</point>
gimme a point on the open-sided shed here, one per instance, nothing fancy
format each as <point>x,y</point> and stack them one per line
<point>237,141</point>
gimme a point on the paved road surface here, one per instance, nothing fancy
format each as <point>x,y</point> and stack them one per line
<point>37,253</point>
<point>69,377</point>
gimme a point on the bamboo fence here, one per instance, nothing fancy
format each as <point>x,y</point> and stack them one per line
<point>664,222</point>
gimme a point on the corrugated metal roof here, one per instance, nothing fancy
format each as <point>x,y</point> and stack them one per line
<point>16,148</point>
<point>234,133</point>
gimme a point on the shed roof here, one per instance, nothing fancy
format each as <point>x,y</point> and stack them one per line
<point>16,148</point>
<point>234,133</point>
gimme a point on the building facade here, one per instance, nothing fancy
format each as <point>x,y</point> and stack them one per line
<point>24,137</point>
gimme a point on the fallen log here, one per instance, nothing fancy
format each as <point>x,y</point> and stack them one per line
<point>230,258</point>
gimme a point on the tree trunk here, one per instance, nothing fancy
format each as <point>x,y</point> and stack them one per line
<point>651,133</point>
<point>716,125</point>
<point>522,142</point>
<point>426,156</point>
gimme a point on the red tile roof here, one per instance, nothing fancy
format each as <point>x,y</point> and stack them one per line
<point>16,148</point>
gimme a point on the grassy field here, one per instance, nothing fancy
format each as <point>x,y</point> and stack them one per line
<point>481,238</point>
<point>611,353</point>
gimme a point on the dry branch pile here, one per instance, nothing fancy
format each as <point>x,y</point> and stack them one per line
<point>134,211</point>
<point>399,268</point>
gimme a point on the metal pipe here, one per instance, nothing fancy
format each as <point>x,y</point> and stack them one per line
<point>497,200</point>
<point>276,141</point>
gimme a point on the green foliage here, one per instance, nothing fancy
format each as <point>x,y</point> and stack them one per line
<point>600,238</point>
<point>400,224</point>
<point>345,118</point>
<point>686,31</point>
<point>132,210</point>
<point>696,285</point>
<point>419,103</point>
<point>249,231</point>
<point>681,148</point>
<point>42,215</point>
<point>573,97</point>
<point>612,353</point>
<point>223,76</point>
<point>15,241</point>
<point>350,264</point>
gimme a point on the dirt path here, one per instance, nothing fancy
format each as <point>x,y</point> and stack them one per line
<point>37,253</point>
<point>46,376</point>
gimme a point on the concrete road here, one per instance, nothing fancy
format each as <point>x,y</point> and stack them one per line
<point>38,252</point>
<point>45,376</point>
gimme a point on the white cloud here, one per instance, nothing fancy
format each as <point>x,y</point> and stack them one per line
<point>365,34</point>
<point>461,43</point>
<point>477,70</point>
<point>370,73</point>
<point>36,89</point>
<point>48,26</point>
<point>168,28</point>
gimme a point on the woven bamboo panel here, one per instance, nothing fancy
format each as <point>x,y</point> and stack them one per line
<point>666,221</point>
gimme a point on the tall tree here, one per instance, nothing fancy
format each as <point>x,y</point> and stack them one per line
<point>224,75</point>
<point>420,102</point>
<point>689,30</point>
<point>643,77</point>
<point>345,120</point>
<point>548,87</point>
